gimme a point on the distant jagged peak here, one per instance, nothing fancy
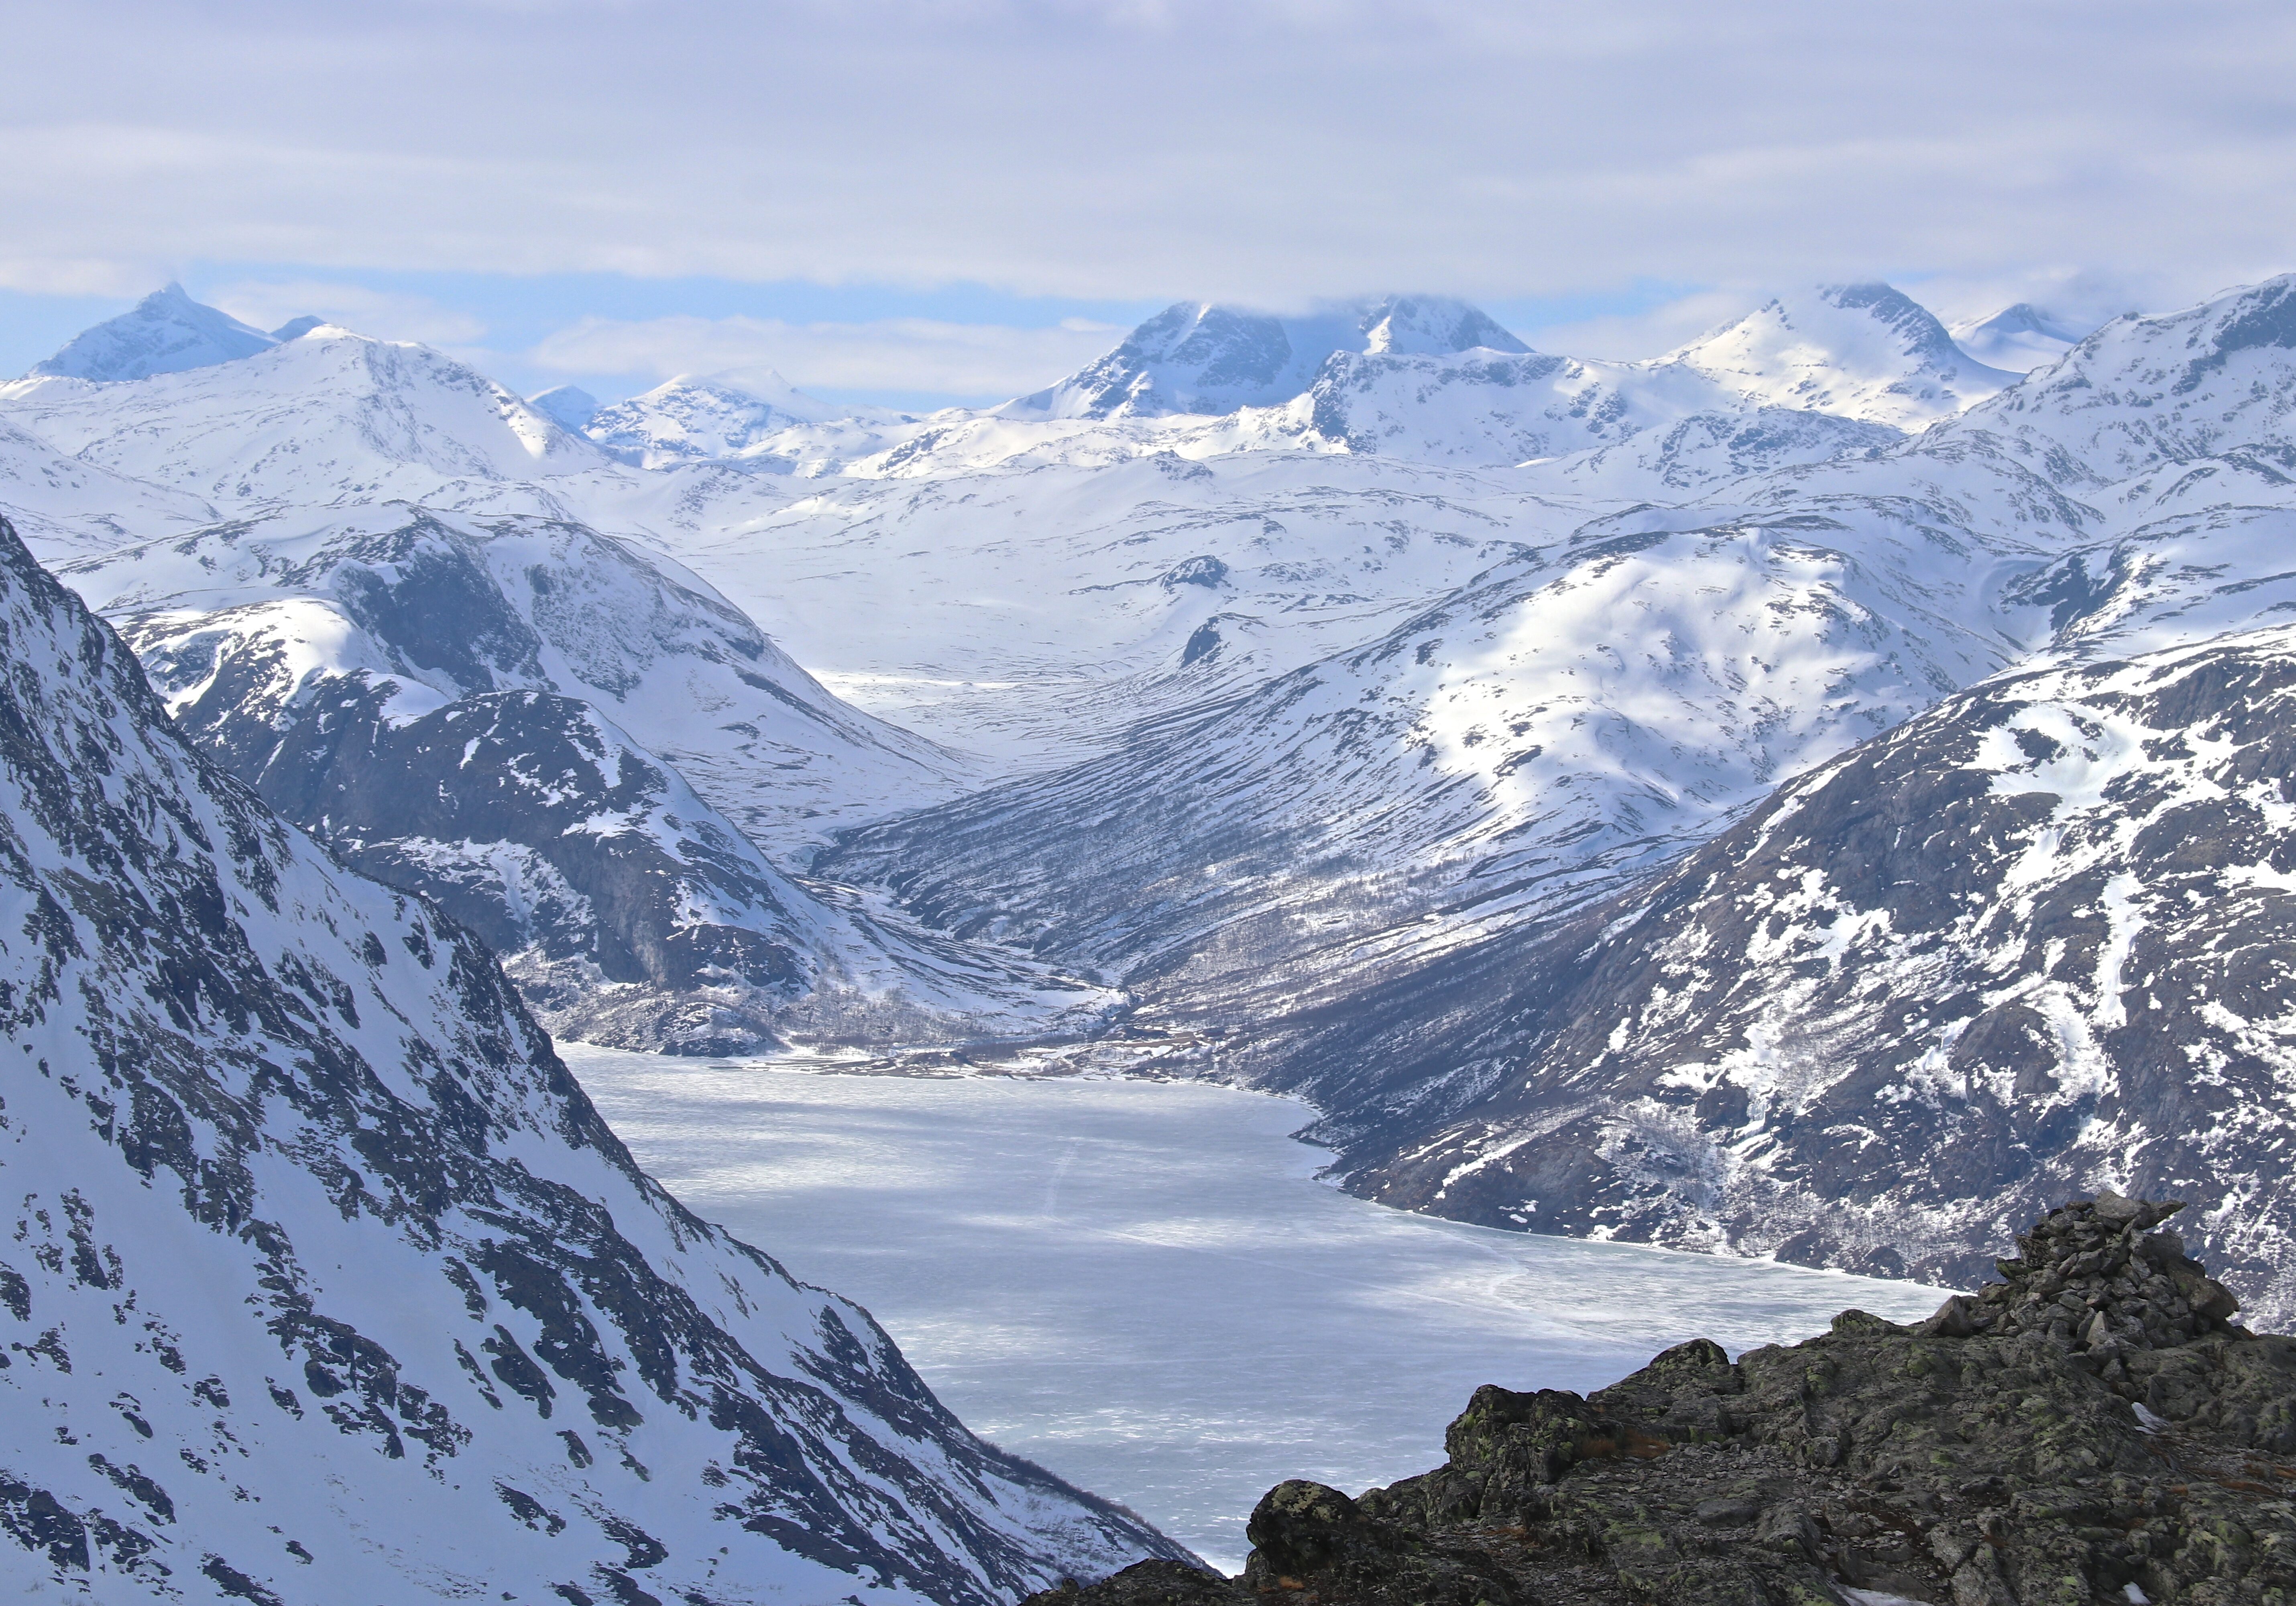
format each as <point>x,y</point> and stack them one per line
<point>301,421</point>
<point>1214,358</point>
<point>698,416</point>
<point>165,332</point>
<point>2208,380</point>
<point>2019,338</point>
<point>568,406</point>
<point>1863,351</point>
<point>753,388</point>
<point>1432,326</point>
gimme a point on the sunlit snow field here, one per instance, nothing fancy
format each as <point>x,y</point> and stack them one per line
<point>1140,1285</point>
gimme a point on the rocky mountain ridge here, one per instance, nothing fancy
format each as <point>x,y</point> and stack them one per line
<point>2093,1429</point>
<point>2029,941</point>
<point>1379,702</point>
<point>324,1279</point>
<point>165,332</point>
<point>446,702</point>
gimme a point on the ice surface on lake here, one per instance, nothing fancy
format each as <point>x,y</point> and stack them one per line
<point>1141,1285</point>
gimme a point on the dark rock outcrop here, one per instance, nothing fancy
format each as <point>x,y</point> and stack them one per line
<point>2037,941</point>
<point>323,1282</point>
<point>2092,1431</point>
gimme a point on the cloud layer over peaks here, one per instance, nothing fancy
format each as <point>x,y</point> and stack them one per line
<point>1260,153</point>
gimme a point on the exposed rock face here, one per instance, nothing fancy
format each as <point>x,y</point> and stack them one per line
<point>1486,748</point>
<point>2035,942</point>
<point>323,1281</point>
<point>1197,356</point>
<point>442,702</point>
<point>2091,1430</point>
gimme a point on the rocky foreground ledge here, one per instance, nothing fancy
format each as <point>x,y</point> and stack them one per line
<point>2092,1430</point>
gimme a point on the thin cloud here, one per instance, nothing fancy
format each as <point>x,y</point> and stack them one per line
<point>1630,337</point>
<point>975,360</point>
<point>385,314</point>
<point>1135,148</point>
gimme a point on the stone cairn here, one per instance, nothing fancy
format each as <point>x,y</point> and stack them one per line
<point>2099,1275</point>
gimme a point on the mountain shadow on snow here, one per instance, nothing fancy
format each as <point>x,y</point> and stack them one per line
<point>325,1281</point>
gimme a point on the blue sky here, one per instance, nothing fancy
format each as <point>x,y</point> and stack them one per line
<point>931,199</point>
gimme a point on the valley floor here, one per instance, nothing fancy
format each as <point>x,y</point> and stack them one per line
<point>1141,1285</point>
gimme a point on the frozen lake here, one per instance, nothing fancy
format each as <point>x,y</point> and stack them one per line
<point>1142,1287</point>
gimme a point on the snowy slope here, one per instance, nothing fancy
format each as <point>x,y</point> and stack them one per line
<point>325,1281</point>
<point>1200,357</point>
<point>693,417</point>
<point>328,418</point>
<point>1575,712</point>
<point>2034,942</point>
<point>2144,395</point>
<point>64,505</point>
<point>1031,614</point>
<point>165,332</point>
<point>1864,351</point>
<point>447,703</point>
<point>2017,339</point>
<point>568,405</point>
<point>459,604</point>
<point>1706,452</point>
<point>1491,410</point>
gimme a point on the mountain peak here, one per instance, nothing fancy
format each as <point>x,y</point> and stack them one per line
<point>2019,338</point>
<point>165,332</point>
<point>1863,351</point>
<point>1212,358</point>
<point>2207,381</point>
<point>1431,325</point>
<point>704,416</point>
<point>568,405</point>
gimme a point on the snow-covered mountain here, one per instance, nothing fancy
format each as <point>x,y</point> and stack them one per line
<point>1349,879</point>
<point>568,405</point>
<point>692,418</point>
<point>1864,351</point>
<point>2141,397</point>
<point>165,332</point>
<point>2017,339</point>
<point>1201,356</point>
<point>1432,379</point>
<point>452,604</point>
<point>1575,712</point>
<point>447,703</point>
<point>1325,680</point>
<point>2035,943</point>
<point>325,1282</point>
<point>65,504</point>
<point>328,418</point>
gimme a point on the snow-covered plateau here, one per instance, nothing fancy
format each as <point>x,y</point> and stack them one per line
<point>1291,692</point>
